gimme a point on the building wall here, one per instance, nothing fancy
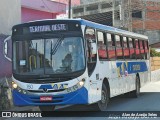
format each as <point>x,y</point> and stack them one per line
<point>10,13</point>
<point>155,63</point>
<point>74,2</point>
<point>150,23</point>
<point>151,19</point>
<point>87,1</point>
<point>31,14</point>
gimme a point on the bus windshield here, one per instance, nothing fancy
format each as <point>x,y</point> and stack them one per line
<point>48,56</point>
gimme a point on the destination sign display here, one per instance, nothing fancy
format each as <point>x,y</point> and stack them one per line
<point>37,28</point>
<point>48,28</point>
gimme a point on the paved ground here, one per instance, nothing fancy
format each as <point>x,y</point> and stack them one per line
<point>148,101</point>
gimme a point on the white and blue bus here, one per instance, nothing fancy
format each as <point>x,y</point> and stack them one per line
<point>75,61</point>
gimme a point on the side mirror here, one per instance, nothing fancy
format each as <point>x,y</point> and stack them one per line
<point>93,48</point>
<point>5,48</point>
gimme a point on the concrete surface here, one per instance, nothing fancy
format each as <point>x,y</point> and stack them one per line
<point>148,101</point>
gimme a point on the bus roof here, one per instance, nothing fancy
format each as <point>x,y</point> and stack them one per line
<point>98,26</point>
<point>112,29</point>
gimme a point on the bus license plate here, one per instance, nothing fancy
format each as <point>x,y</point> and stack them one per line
<point>46,98</point>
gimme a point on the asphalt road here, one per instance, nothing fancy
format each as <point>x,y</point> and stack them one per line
<point>149,100</point>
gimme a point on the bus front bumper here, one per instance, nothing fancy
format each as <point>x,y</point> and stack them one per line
<point>77,97</point>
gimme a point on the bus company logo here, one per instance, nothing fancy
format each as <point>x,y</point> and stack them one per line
<point>122,68</point>
<point>53,86</point>
<point>45,90</point>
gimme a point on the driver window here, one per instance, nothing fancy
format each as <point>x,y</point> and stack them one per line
<point>91,56</point>
<point>90,37</point>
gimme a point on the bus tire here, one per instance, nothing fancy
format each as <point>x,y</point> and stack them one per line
<point>47,108</point>
<point>136,92</point>
<point>103,103</point>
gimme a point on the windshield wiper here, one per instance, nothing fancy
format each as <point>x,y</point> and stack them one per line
<point>56,46</point>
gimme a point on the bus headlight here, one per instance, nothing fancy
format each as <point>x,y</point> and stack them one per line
<point>81,83</point>
<point>14,85</point>
<point>77,86</point>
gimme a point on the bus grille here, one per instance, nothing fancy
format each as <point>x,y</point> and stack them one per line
<point>41,91</point>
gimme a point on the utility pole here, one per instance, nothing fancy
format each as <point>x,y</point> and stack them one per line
<point>130,15</point>
<point>113,13</point>
<point>69,9</point>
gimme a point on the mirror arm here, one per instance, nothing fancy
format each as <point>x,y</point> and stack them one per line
<point>8,38</point>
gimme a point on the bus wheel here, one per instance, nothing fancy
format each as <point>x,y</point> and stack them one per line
<point>136,92</point>
<point>102,104</point>
<point>47,108</point>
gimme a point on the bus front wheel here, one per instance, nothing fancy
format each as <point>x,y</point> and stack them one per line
<point>47,108</point>
<point>102,104</point>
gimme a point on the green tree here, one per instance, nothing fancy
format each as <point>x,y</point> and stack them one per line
<point>154,53</point>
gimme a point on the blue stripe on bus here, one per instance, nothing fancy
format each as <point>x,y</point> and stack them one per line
<point>135,67</point>
<point>77,97</point>
<point>124,68</point>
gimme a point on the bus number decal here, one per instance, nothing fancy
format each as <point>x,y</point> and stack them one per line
<point>29,86</point>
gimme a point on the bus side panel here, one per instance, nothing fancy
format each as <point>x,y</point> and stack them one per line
<point>121,75</point>
<point>109,70</point>
<point>145,76</point>
<point>94,88</point>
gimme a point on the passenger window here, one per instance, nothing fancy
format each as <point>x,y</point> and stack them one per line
<point>131,48</point>
<point>146,51</point>
<point>109,40</point>
<point>141,49</point>
<point>118,44</point>
<point>118,47</point>
<point>138,56</point>
<point>126,48</point>
<point>125,42</point>
<point>111,46</point>
<point>140,44</point>
<point>101,45</point>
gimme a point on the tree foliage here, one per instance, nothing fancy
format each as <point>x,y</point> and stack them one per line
<point>154,53</point>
